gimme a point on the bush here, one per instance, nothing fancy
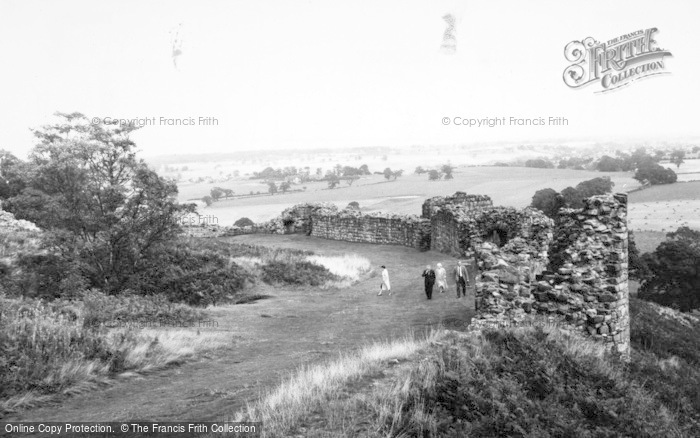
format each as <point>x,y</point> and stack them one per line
<point>244,222</point>
<point>191,276</point>
<point>300,273</point>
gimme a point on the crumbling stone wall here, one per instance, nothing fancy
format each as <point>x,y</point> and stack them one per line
<point>583,286</point>
<point>588,284</point>
<point>458,231</point>
<point>353,226</point>
<point>460,200</point>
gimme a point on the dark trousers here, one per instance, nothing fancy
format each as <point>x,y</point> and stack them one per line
<point>461,286</point>
<point>429,290</point>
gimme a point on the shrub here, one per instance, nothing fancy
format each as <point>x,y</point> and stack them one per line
<point>301,273</point>
<point>244,222</point>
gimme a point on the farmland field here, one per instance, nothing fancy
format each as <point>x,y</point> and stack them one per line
<point>665,207</point>
<point>507,186</point>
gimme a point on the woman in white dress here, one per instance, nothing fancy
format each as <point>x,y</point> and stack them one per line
<point>441,278</point>
<point>386,285</point>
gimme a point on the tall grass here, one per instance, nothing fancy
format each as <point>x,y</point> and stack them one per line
<point>534,382</point>
<point>284,408</point>
<point>66,346</point>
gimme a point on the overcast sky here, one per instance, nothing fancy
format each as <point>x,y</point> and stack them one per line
<point>322,73</point>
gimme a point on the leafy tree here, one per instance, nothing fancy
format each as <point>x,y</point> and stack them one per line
<point>354,205</point>
<point>208,200</point>
<point>434,175</point>
<point>609,164</point>
<point>388,174</point>
<point>364,170</point>
<point>677,157</point>
<point>216,193</point>
<point>285,185</point>
<point>549,201</point>
<point>595,186</point>
<point>398,174</point>
<point>572,198</point>
<point>12,171</point>
<point>244,222</point>
<point>333,181</point>
<point>539,163</point>
<point>447,170</point>
<point>107,214</point>
<point>655,174</point>
<point>271,187</point>
<point>419,170</point>
<point>674,271</point>
<point>350,180</point>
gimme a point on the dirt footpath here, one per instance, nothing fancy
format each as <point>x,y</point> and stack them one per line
<point>271,338</point>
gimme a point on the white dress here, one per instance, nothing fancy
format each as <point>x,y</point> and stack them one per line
<point>441,278</point>
<point>385,280</point>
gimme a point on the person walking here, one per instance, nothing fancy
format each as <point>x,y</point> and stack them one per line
<point>386,285</point>
<point>441,278</point>
<point>429,276</point>
<point>462,279</point>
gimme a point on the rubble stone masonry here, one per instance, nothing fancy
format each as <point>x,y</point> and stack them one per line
<point>573,273</point>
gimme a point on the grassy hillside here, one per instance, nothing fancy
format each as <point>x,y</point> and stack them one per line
<point>533,382</point>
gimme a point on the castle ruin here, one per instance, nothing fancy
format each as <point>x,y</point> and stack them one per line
<point>573,272</point>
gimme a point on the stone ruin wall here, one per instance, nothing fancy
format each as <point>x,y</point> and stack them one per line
<point>584,286</point>
<point>460,200</point>
<point>389,229</point>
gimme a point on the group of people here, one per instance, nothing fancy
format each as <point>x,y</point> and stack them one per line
<point>435,276</point>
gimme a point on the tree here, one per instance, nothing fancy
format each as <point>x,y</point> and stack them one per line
<point>447,170</point>
<point>388,174</point>
<point>333,181</point>
<point>434,175</point>
<point>548,201</point>
<point>271,187</point>
<point>677,157</point>
<point>216,193</point>
<point>108,216</point>
<point>398,174</point>
<point>674,271</point>
<point>350,180</point>
<point>655,174</point>
<point>572,198</point>
<point>285,185</point>
<point>364,170</point>
<point>244,222</point>
<point>609,164</point>
<point>539,163</point>
<point>208,200</point>
<point>419,170</point>
<point>354,205</point>
<point>595,186</point>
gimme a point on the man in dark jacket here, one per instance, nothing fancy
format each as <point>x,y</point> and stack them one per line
<point>462,279</point>
<point>429,276</point>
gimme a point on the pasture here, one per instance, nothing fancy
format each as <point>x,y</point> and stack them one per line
<point>664,208</point>
<point>507,186</point>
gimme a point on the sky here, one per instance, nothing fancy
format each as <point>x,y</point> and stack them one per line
<point>324,73</point>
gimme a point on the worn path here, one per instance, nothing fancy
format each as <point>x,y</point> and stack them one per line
<point>271,338</point>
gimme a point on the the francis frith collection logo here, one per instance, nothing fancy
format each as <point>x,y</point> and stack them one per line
<point>615,63</point>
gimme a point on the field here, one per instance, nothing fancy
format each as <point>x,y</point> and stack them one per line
<point>507,186</point>
<point>688,171</point>
<point>664,208</point>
